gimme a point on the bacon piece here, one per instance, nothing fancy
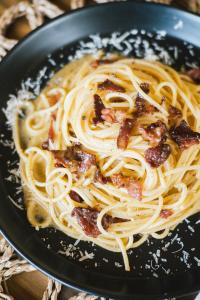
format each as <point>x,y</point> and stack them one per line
<point>119,180</point>
<point>113,116</point>
<point>120,115</point>
<point>87,160</point>
<point>99,62</point>
<point>45,145</point>
<point>156,156</point>
<point>65,163</point>
<point>53,99</point>
<point>98,177</point>
<point>66,155</point>
<point>65,159</point>
<point>155,133</point>
<point>98,107</point>
<point>166,213</point>
<point>174,113</point>
<point>142,106</point>
<point>124,133</point>
<point>145,87</point>
<point>108,115</point>
<point>133,187</point>
<point>184,136</point>
<point>110,86</point>
<point>75,196</point>
<point>87,219</point>
<point>74,158</point>
<point>194,74</point>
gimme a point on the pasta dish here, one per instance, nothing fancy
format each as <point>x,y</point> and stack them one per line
<point>109,151</point>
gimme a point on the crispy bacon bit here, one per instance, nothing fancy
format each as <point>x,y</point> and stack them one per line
<point>87,160</point>
<point>133,187</point>
<point>98,177</point>
<point>99,62</point>
<point>110,86</point>
<point>184,136</point>
<point>166,213</point>
<point>142,106</point>
<point>98,107</point>
<point>53,99</point>
<point>155,133</point>
<point>174,113</point>
<point>156,156</point>
<point>74,158</point>
<point>124,133</point>
<point>145,87</point>
<point>119,180</point>
<point>87,219</point>
<point>120,116</point>
<point>113,116</point>
<point>194,74</point>
<point>108,115</point>
<point>65,159</point>
<point>45,145</point>
<point>75,196</point>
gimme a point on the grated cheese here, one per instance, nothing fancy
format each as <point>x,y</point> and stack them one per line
<point>15,203</point>
<point>13,104</point>
<point>86,256</point>
<point>125,43</point>
<point>118,265</point>
<point>197,260</point>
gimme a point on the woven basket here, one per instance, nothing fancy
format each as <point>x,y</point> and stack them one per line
<point>193,5</point>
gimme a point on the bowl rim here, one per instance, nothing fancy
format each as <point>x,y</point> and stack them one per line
<point>51,22</point>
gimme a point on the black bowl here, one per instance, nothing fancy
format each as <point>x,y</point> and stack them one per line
<point>160,269</point>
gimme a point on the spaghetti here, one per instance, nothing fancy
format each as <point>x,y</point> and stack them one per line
<point>109,151</point>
